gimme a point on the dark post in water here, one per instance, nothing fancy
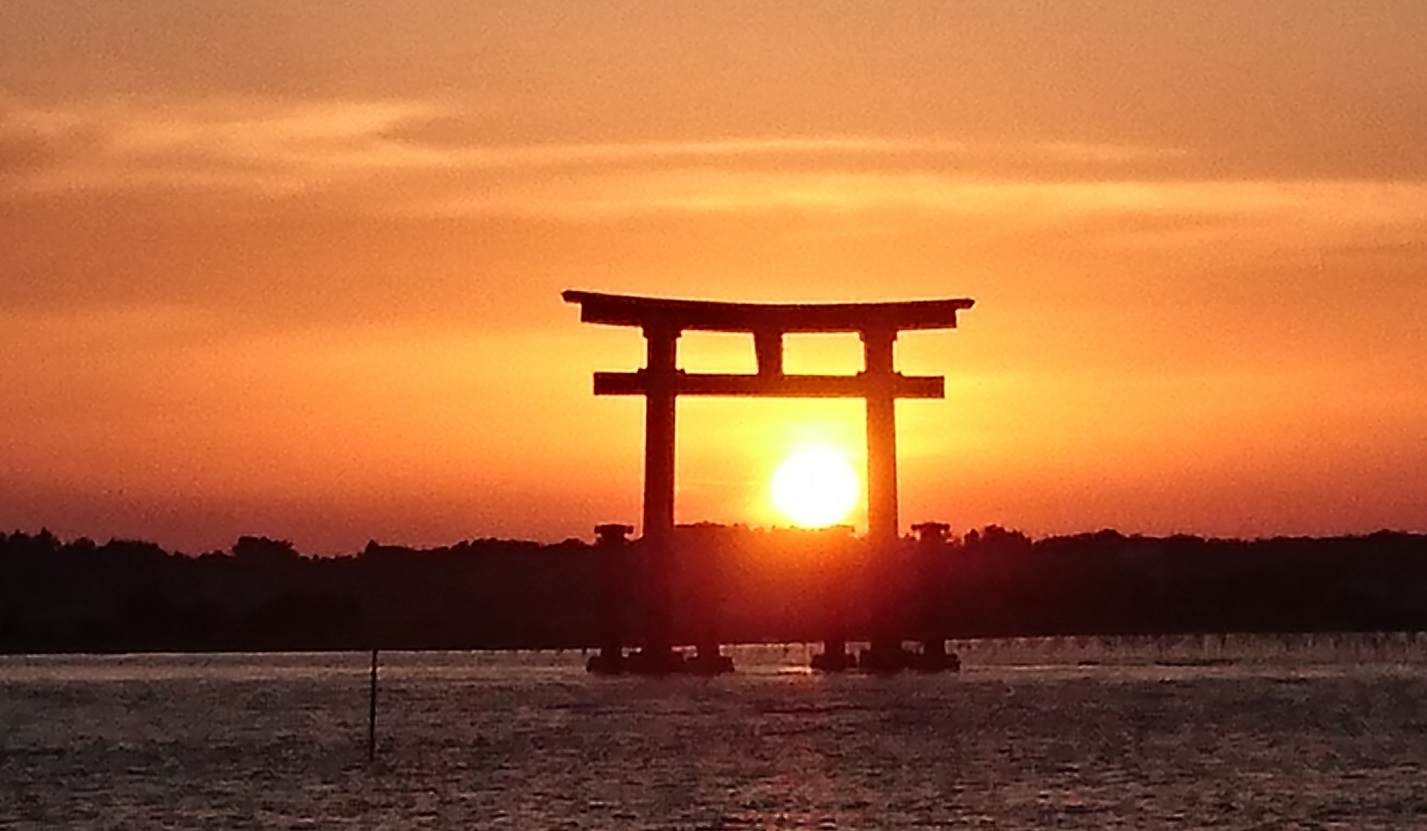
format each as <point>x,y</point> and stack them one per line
<point>372,711</point>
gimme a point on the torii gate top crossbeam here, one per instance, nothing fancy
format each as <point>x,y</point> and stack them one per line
<point>710,316</point>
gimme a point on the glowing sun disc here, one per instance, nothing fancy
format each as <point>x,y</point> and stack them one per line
<point>816,487</point>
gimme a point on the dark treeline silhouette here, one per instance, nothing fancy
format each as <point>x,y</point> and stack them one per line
<point>748,585</point>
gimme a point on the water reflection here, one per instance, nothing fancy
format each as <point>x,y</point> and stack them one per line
<point>1237,732</point>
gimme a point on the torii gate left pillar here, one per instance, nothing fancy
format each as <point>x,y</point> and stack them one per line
<point>661,382</point>
<point>660,392</point>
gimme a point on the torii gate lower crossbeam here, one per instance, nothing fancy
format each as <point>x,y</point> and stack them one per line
<point>661,382</point>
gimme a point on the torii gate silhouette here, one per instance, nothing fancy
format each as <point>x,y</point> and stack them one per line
<point>662,320</point>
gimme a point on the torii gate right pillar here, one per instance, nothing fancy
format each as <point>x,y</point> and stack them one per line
<point>881,437</point>
<point>882,522</point>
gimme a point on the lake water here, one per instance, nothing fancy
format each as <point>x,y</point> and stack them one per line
<point>1308,732</point>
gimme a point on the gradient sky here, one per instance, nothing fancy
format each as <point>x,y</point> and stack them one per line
<point>294,268</point>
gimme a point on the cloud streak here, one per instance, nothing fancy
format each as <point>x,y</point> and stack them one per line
<point>380,156</point>
<point>126,143</point>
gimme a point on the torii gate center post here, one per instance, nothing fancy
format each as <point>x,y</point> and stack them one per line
<point>661,382</point>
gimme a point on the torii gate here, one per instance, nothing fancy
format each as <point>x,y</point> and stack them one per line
<point>662,320</point>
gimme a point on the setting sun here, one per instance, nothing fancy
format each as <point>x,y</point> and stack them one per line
<point>815,487</point>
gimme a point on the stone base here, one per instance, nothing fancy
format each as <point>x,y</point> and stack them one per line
<point>900,659</point>
<point>834,661</point>
<point>664,662</point>
<point>943,662</point>
<point>605,664</point>
<point>708,664</point>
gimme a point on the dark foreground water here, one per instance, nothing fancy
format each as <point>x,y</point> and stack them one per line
<point>1324,732</point>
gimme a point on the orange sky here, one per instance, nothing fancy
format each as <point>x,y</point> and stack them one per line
<point>294,269</point>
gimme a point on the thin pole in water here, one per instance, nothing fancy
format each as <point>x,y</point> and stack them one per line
<point>372,712</point>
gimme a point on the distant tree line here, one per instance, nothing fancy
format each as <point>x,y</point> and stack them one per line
<point>744,585</point>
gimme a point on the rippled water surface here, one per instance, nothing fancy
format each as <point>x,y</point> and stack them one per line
<point>1239,733</point>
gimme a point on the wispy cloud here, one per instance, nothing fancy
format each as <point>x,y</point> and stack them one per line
<point>379,157</point>
<point>1138,211</point>
<point>943,151</point>
<point>271,146</point>
<point>225,144</point>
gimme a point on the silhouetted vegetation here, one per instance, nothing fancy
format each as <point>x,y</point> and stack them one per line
<point>747,585</point>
